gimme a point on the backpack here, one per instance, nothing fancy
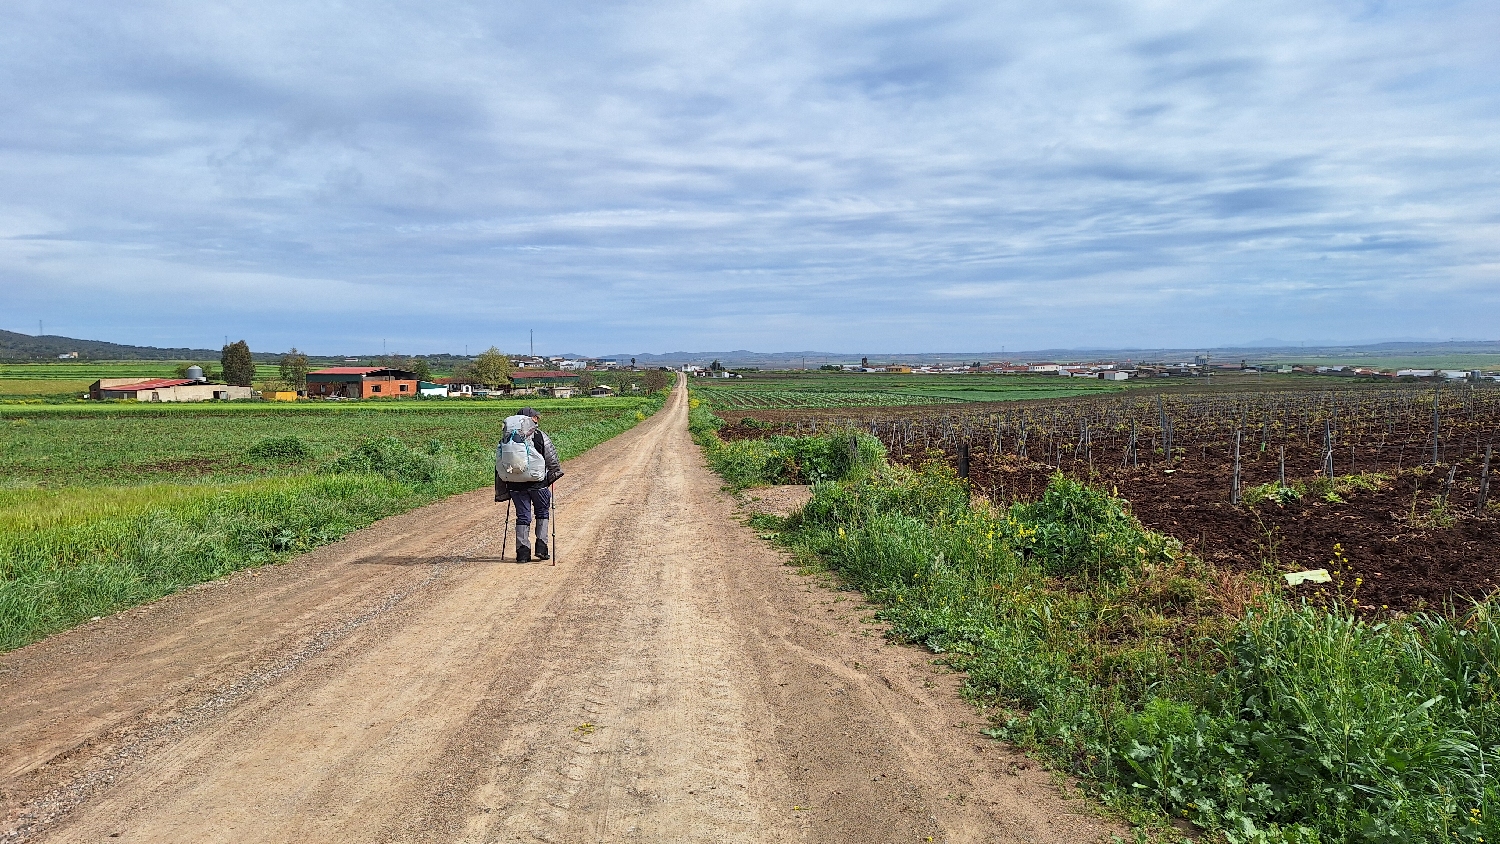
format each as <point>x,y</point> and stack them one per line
<point>517,458</point>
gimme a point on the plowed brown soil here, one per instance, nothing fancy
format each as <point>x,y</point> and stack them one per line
<point>670,679</point>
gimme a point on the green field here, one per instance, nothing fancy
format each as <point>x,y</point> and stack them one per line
<point>862,389</point>
<point>103,506</point>
<point>127,444</point>
<point>53,382</point>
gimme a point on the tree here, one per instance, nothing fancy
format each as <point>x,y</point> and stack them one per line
<point>716,366</point>
<point>415,365</point>
<point>586,382</point>
<point>239,367</point>
<point>463,373</point>
<point>632,363</point>
<point>492,369</point>
<point>294,369</point>
<point>653,380</point>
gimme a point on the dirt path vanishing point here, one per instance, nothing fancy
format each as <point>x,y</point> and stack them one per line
<point>669,680</point>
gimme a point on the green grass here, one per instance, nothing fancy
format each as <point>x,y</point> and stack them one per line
<point>781,460</point>
<point>103,510</point>
<point>1170,688</point>
<point>14,388</point>
<point>833,390</point>
<point>101,444</point>
<point>89,371</point>
<point>69,381</point>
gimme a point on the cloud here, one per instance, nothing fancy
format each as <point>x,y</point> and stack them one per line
<point>666,175</point>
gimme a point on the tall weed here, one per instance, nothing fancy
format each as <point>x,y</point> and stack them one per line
<point>782,459</point>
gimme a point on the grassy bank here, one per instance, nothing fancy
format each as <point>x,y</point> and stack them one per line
<point>68,553</point>
<point>1169,687</point>
<point>779,460</point>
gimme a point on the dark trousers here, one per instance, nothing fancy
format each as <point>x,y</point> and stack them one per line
<point>539,498</point>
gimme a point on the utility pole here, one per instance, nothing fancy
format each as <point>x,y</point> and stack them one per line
<point>533,342</point>
<point>39,331</point>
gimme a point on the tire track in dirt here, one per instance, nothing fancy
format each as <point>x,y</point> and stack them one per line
<point>669,680</point>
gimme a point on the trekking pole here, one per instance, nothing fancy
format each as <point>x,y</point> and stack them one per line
<point>554,526</point>
<point>505,536</point>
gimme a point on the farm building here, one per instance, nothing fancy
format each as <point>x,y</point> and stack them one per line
<point>544,382</point>
<point>361,382</point>
<point>165,390</point>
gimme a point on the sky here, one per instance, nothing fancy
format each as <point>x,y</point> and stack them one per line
<point>650,177</point>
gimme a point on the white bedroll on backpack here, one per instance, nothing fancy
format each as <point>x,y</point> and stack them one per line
<point>516,459</point>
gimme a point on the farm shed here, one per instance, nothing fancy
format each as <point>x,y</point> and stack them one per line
<point>165,390</point>
<point>526,382</point>
<point>428,388</point>
<point>361,382</point>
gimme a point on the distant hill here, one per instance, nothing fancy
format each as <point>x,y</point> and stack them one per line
<point>1254,353</point>
<point>15,346</point>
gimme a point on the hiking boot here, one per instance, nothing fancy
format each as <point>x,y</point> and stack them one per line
<point>523,554</point>
<point>541,550</point>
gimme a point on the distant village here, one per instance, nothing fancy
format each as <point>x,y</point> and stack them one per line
<point>560,377</point>
<point>529,375</point>
<point>1201,366</point>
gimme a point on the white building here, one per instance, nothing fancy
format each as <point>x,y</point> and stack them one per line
<point>166,390</point>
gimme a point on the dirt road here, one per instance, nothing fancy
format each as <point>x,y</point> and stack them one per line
<point>671,679</point>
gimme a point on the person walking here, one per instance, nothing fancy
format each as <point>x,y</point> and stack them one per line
<point>526,466</point>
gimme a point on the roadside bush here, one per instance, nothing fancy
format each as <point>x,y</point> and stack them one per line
<point>1078,530</point>
<point>391,458</point>
<point>280,450</point>
<point>782,459</point>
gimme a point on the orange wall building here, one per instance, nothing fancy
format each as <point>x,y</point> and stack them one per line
<point>361,382</point>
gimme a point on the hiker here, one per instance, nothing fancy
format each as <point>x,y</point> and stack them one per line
<point>526,466</point>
